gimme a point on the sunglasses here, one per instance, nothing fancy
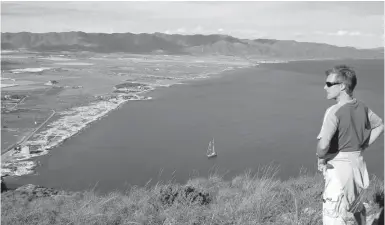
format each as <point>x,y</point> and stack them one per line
<point>329,84</point>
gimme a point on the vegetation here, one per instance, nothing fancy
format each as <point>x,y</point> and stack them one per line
<point>258,198</point>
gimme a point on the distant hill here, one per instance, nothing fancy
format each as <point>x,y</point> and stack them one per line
<point>380,49</point>
<point>159,43</point>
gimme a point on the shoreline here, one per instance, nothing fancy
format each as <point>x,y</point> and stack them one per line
<point>44,176</point>
<point>70,123</point>
<point>62,129</point>
<point>74,120</point>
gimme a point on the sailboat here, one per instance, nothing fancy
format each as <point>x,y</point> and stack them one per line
<point>211,150</point>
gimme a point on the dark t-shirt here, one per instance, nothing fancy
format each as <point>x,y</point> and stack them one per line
<point>347,126</point>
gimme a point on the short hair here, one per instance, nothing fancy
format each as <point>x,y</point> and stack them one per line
<point>346,75</point>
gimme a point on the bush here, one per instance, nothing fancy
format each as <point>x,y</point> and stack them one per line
<point>184,195</point>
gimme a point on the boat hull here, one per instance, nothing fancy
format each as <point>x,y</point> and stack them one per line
<point>212,155</point>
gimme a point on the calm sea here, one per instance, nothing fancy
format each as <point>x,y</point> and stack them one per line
<point>258,116</point>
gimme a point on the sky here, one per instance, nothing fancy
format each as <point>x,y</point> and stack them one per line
<point>356,24</point>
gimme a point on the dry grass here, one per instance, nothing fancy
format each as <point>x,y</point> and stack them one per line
<point>250,198</point>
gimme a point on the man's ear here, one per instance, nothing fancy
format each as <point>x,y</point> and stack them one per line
<point>343,87</point>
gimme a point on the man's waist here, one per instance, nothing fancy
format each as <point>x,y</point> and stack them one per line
<point>354,144</point>
<point>350,149</point>
<point>355,156</point>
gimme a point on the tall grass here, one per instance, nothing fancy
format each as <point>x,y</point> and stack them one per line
<point>249,198</point>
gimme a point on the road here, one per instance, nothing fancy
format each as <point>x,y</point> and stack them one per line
<point>18,103</point>
<point>25,139</point>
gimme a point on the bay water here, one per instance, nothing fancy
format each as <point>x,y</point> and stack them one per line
<point>260,116</point>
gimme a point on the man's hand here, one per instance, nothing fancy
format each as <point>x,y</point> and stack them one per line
<point>321,161</point>
<point>321,164</point>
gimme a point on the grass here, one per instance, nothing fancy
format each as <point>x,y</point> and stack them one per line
<point>250,198</point>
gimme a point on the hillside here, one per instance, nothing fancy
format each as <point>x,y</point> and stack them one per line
<point>159,43</point>
<point>248,198</point>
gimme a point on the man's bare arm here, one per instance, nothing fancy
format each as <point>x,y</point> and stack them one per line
<point>376,122</point>
<point>329,127</point>
<point>375,133</point>
<point>322,148</point>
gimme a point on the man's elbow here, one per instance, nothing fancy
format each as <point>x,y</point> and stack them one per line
<point>322,153</point>
<point>322,149</point>
<point>381,128</point>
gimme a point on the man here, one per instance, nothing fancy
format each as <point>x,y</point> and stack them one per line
<point>349,127</point>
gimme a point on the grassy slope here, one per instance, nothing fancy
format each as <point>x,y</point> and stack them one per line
<point>249,198</point>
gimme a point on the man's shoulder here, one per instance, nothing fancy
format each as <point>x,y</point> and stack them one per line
<point>355,104</point>
<point>333,109</point>
<point>361,104</point>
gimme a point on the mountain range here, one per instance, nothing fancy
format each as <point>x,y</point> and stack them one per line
<point>159,43</point>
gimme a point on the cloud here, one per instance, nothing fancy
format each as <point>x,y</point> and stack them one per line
<point>299,34</point>
<point>355,33</point>
<point>340,33</point>
<point>181,30</point>
<point>364,8</point>
<point>360,22</point>
<point>198,29</point>
<point>319,32</point>
<point>344,33</point>
<point>247,33</point>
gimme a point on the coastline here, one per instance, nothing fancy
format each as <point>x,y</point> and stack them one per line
<point>74,120</point>
<point>70,123</point>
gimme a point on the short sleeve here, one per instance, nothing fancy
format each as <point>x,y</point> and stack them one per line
<point>375,120</point>
<point>329,125</point>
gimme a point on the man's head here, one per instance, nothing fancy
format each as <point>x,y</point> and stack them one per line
<point>340,79</point>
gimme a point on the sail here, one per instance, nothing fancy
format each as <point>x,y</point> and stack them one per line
<point>211,149</point>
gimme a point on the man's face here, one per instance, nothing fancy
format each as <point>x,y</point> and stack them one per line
<point>332,86</point>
